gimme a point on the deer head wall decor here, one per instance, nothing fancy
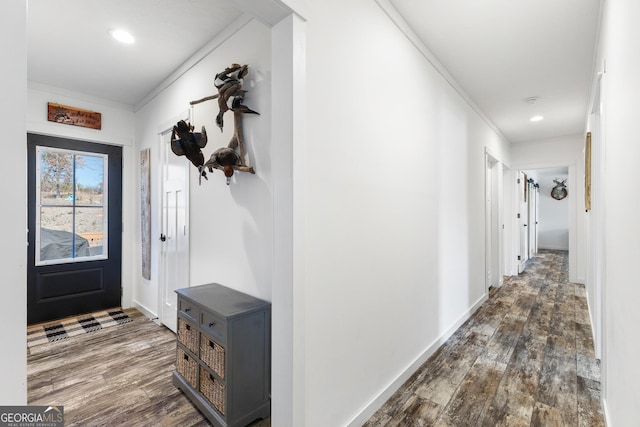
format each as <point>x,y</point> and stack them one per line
<point>559,192</point>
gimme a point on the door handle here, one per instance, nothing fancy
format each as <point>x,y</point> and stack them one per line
<point>163,237</point>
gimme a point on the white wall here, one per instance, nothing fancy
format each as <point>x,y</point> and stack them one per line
<point>13,163</point>
<point>117,119</point>
<point>621,370</point>
<point>394,225</point>
<point>553,215</point>
<point>231,230</point>
<point>117,129</point>
<point>289,112</point>
<point>562,151</point>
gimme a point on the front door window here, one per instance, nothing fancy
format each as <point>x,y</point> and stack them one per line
<point>71,218</point>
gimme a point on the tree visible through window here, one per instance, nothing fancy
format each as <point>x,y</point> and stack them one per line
<point>72,219</point>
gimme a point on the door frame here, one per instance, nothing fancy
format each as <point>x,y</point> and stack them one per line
<point>533,220</point>
<point>169,319</point>
<point>105,273</point>
<point>522,215</point>
<point>575,199</point>
<point>596,253</point>
<point>494,220</point>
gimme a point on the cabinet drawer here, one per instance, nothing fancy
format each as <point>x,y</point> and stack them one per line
<point>214,325</point>
<point>187,335</point>
<point>213,390</point>
<point>187,367</point>
<point>212,354</point>
<point>188,310</point>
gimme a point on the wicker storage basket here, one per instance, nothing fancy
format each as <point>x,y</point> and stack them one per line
<point>187,366</point>
<point>188,335</point>
<point>212,389</point>
<point>212,354</point>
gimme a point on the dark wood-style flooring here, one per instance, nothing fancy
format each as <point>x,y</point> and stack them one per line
<point>525,358</point>
<point>118,376</point>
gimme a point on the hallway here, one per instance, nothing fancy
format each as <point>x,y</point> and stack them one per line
<point>525,358</point>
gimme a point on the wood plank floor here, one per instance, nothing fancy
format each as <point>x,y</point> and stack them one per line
<point>118,376</point>
<point>525,358</point>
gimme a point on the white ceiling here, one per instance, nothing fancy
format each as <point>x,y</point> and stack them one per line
<point>69,45</point>
<point>503,51</point>
<point>499,51</point>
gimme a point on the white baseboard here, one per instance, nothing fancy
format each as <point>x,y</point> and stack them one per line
<point>553,248</point>
<point>144,310</point>
<point>607,421</point>
<point>379,400</point>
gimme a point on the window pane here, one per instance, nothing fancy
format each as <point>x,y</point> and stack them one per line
<point>57,241</point>
<point>56,178</point>
<point>90,225</point>
<point>56,218</point>
<point>89,179</point>
<point>72,221</point>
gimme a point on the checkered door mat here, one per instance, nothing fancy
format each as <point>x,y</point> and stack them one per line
<point>55,331</point>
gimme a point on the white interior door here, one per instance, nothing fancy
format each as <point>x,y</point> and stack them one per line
<point>508,222</point>
<point>493,235</point>
<point>496,224</point>
<point>174,252</point>
<point>488,225</point>
<point>533,221</point>
<point>523,214</point>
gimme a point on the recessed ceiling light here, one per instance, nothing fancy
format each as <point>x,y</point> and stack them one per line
<point>123,36</point>
<point>536,118</point>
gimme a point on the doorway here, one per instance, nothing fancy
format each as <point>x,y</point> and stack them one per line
<point>174,234</point>
<point>523,221</point>
<point>74,255</point>
<point>494,226</point>
<point>549,216</point>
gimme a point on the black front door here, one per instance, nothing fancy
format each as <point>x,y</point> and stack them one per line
<point>75,227</point>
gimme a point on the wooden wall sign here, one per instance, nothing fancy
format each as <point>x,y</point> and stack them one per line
<point>145,211</point>
<point>74,116</point>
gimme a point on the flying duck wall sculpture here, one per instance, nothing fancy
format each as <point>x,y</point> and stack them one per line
<point>189,144</point>
<point>228,159</point>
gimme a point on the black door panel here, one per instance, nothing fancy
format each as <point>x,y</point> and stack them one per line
<point>74,285</point>
<point>64,284</point>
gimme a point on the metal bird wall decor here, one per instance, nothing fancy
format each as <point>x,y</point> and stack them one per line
<point>230,97</point>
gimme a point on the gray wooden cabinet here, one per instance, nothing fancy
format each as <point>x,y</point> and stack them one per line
<point>223,355</point>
